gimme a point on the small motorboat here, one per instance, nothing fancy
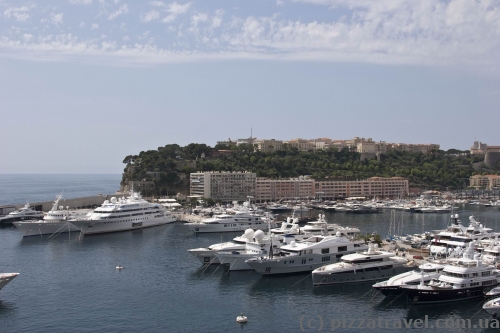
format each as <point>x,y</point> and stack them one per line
<point>492,306</point>
<point>493,292</point>
<point>119,267</point>
<point>241,319</point>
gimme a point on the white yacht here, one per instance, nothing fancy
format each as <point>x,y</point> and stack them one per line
<point>54,222</point>
<point>457,235</point>
<point>427,272</point>
<point>23,214</point>
<point>492,306</point>
<point>208,255</point>
<point>306,255</point>
<point>363,266</point>
<point>320,225</point>
<point>290,226</point>
<point>259,245</point>
<point>239,221</point>
<point>6,278</point>
<point>461,279</point>
<point>123,214</point>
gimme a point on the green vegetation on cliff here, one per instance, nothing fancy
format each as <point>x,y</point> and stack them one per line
<point>173,164</point>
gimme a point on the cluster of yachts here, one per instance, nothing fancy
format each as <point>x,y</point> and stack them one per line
<point>464,266</point>
<point>117,214</point>
<point>114,215</point>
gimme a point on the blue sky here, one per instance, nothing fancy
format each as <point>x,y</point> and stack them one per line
<point>86,82</point>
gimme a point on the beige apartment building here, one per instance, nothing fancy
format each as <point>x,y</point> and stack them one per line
<point>269,145</point>
<point>301,144</point>
<point>485,181</point>
<point>372,187</point>
<point>223,186</point>
<point>229,186</point>
<point>267,189</point>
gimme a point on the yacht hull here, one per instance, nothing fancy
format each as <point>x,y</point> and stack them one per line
<point>289,265</point>
<point>39,228</point>
<point>91,227</point>
<point>357,276</point>
<point>425,296</point>
<point>5,278</point>
<point>225,227</point>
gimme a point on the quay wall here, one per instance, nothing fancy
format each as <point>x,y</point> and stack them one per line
<point>73,203</point>
<point>188,217</point>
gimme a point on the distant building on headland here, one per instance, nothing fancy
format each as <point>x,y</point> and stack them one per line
<point>478,148</point>
<point>488,182</point>
<point>357,144</point>
<point>229,186</point>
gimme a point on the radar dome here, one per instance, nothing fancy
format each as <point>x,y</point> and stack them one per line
<point>456,216</point>
<point>113,199</point>
<point>259,235</point>
<point>249,234</point>
<point>338,234</point>
<point>292,244</point>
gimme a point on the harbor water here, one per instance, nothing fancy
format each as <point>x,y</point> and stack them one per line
<point>71,285</point>
<point>18,189</point>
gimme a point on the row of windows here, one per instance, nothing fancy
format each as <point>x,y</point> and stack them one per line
<point>126,220</point>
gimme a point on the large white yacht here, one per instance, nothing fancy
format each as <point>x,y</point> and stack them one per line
<point>259,245</point>
<point>306,255</point>
<point>461,279</point>
<point>208,255</point>
<point>457,235</point>
<point>239,221</point>
<point>123,214</point>
<point>6,278</point>
<point>427,272</point>
<point>23,214</point>
<point>54,222</point>
<point>321,224</point>
<point>363,266</point>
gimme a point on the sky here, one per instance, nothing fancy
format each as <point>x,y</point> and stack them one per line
<point>84,83</point>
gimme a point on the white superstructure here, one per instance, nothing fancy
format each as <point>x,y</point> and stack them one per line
<point>457,235</point>
<point>239,221</point>
<point>123,214</point>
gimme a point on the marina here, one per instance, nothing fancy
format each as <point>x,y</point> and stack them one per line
<point>159,279</point>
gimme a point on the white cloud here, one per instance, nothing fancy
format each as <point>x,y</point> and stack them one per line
<point>94,26</point>
<point>280,3</point>
<point>429,32</point>
<point>27,37</point>
<point>19,13</point>
<point>56,19</point>
<point>150,16</point>
<point>158,3</point>
<point>122,10</point>
<point>80,2</point>
<point>174,9</point>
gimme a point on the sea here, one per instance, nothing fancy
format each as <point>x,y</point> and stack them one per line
<point>70,284</point>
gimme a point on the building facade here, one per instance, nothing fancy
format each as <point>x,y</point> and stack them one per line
<point>485,181</point>
<point>223,186</point>
<point>229,186</point>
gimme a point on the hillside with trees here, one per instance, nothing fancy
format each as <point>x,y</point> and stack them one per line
<point>169,166</point>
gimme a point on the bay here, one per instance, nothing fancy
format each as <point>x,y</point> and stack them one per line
<point>21,188</point>
<point>71,285</point>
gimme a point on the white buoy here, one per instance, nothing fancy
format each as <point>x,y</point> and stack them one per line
<point>241,318</point>
<point>119,267</point>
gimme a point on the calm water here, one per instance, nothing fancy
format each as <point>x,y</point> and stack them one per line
<point>71,285</point>
<point>18,189</point>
